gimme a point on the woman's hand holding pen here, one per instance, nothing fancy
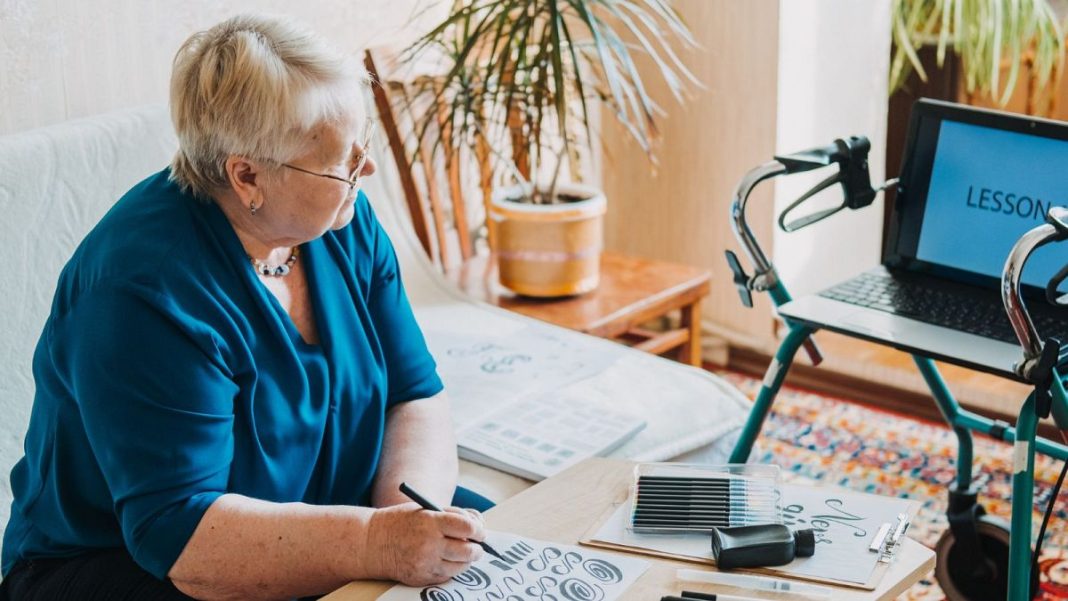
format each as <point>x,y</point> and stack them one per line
<point>418,548</point>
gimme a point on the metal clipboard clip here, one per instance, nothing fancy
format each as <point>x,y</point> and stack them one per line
<point>888,539</point>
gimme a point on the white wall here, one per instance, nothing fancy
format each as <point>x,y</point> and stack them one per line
<point>63,59</point>
<point>833,65</point>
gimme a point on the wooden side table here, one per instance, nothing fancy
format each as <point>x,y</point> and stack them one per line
<point>632,292</point>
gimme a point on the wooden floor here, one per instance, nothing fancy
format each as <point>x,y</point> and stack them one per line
<point>887,378</point>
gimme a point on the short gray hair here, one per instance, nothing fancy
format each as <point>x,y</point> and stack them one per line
<point>254,86</point>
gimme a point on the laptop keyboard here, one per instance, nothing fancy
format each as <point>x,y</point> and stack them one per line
<point>950,308</point>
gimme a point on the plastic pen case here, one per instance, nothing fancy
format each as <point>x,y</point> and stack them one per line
<point>678,497</point>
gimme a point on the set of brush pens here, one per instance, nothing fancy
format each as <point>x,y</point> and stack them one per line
<point>697,499</point>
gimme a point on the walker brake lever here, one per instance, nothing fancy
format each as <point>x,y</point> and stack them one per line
<point>1041,375</point>
<point>811,218</point>
<point>851,157</point>
<point>745,284</point>
<point>741,279</point>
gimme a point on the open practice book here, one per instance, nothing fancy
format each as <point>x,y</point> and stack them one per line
<point>520,403</point>
<point>536,437</point>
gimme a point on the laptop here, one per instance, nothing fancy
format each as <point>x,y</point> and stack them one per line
<point>972,182</point>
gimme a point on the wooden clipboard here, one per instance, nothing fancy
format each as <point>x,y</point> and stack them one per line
<point>589,539</point>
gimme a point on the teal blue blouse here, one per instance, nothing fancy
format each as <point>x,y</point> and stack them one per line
<point>167,375</point>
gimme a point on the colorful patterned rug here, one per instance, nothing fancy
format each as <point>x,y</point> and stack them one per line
<point>851,445</point>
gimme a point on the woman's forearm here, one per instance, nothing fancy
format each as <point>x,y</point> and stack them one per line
<point>250,549</point>
<point>246,548</point>
<point>420,449</point>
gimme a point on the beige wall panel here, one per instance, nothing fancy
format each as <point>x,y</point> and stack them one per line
<point>63,59</point>
<point>681,212</point>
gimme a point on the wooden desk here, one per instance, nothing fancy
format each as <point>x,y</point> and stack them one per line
<point>564,507</point>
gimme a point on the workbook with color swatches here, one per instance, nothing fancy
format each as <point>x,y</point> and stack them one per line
<point>536,437</point>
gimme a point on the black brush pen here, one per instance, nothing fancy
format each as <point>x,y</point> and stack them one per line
<point>426,504</point>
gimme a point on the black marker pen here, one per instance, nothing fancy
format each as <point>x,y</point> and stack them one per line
<point>426,504</point>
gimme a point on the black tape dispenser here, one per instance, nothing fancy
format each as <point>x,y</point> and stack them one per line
<point>760,545</point>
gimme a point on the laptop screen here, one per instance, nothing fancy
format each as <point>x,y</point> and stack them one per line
<point>987,183</point>
<point>989,187</point>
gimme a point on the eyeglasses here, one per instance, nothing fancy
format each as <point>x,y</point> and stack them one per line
<point>353,180</point>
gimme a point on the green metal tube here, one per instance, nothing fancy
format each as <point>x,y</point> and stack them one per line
<point>773,379</point>
<point>951,412</point>
<point>778,293</point>
<point>1060,402</point>
<point>1023,482</point>
<point>984,425</point>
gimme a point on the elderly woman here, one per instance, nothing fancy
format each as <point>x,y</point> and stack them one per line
<point>231,385</point>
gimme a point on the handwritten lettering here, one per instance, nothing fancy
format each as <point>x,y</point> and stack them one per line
<point>504,365</point>
<point>794,515</point>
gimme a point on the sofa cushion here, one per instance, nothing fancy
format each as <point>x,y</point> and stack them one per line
<point>57,182</point>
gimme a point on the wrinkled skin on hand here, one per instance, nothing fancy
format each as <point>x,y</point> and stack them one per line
<point>417,547</point>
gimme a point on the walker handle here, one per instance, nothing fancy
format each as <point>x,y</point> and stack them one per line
<point>1034,347</point>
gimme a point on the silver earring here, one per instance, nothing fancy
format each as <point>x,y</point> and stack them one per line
<point>252,208</point>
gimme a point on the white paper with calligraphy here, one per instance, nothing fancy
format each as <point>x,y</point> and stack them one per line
<point>845,524</point>
<point>484,369</point>
<point>522,401</point>
<point>535,570</point>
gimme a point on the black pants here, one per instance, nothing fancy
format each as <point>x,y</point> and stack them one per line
<point>108,575</point>
<point>112,575</point>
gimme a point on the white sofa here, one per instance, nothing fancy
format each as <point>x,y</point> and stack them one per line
<point>56,182</point>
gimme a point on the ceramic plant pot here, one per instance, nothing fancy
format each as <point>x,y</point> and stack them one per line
<point>549,250</point>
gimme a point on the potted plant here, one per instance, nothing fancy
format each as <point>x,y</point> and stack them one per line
<point>989,37</point>
<point>519,81</point>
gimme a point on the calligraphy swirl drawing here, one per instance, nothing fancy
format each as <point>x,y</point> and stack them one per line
<point>576,589</point>
<point>436,593</point>
<point>541,563</point>
<point>532,571</point>
<point>602,570</point>
<point>473,578</point>
<point>542,589</point>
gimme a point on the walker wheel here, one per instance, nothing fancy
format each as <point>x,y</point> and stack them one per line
<point>958,578</point>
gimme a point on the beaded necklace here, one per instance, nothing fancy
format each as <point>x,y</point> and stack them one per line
<point>281,270</point>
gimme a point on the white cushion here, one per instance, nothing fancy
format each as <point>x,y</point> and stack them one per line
<point>55,184</point>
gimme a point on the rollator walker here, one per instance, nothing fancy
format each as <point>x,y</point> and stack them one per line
<point>979,556</point>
